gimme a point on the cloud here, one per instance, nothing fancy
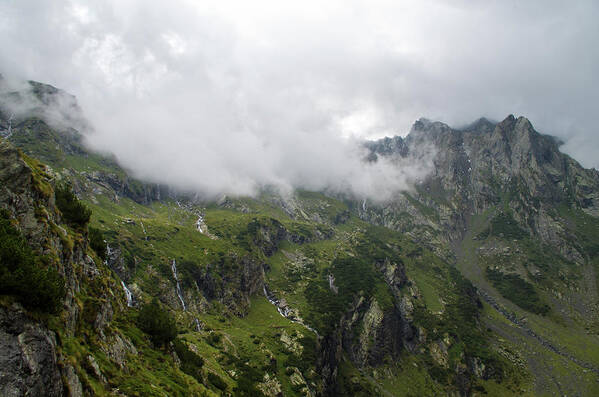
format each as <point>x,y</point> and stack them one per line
<point>21,99</point>
<point>224,96</point>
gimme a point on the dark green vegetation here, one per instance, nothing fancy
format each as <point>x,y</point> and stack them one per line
<point>542,264</point>
<point>519,291</point>
<point>74,211</point>
<point>157,322</point>
<point>352,276</point>
<point>505,226</point>
<point>25,275</point>
<point>191,363</point>
<point>582,229</point>
<point>96,242</point>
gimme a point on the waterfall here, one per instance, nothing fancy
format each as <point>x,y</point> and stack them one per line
<point>108,252</point>
<point>143,228</point>
<point>128,294</point>
<point>188,207</point>
<point>332,286</point>
<point>179,293</point>
<point>285,311</point>
<point>364,205</point>
<point>197,322</point>
<point>199,223</point>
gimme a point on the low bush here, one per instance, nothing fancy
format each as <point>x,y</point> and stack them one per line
<point>191,363</point>
<point>25,275</point>
<point>216,381</point>
<point>96,242</point>
<point>518,290</point>
<point>75,213</point>
<point>247,380</point>
<point>214,339</point>
<point>504,225</point>
<point>157,322</point>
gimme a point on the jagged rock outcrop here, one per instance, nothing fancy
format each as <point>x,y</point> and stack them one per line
<point>369,332</point>
<point>233,289</point>
<point>123,186</point>
<point>28,356</point>
<point>380,333</point>
<point>485,167</point>
<point>30,361</point>
<point>473,168</point>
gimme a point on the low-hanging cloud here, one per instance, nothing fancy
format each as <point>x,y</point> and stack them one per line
<point>23,99</point>
<point>226,97</point>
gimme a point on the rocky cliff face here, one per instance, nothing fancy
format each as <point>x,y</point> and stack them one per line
<point>514,214</point>
<point>370,334</point>
<point>48,122</point>
<point>475,168</point>
<point>31,354</point>
<point>28,357</point>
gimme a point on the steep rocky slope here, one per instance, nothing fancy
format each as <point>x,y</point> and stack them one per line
<point>519,219</point>
<point>33,359</point>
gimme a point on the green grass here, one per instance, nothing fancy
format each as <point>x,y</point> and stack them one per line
<point>321,237</point>
<point>256,339</point>
<point>583,228</point>
<point>518,290</point>
<point>505,226</point>
<point>430,288</point>
<point>411,378</point>
<point>149,372</point>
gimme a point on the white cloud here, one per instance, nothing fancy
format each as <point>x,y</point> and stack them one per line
<point>228,96</point>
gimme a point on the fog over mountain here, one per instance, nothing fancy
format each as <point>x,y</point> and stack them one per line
<point>227,97</point>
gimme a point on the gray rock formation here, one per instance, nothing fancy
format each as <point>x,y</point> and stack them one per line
<point>28,356</point>
<point>474,168</point>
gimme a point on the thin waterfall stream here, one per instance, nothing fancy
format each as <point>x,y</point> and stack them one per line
<point>285,311</point>
<point>128,294</point>
<point>178,289</point>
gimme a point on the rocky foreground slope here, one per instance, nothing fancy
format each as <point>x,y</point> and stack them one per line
<point>481,280</point>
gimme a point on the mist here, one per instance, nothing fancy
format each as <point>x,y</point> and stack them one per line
<point>227,98</point>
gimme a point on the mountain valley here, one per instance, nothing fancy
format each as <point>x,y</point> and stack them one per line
<point>479,280</point>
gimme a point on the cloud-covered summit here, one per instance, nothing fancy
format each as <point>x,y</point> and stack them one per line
<point>231,96</point>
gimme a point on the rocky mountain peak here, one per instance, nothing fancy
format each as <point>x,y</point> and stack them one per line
<point>515,129</point>
<point>482,125</point>
<point>427,129</point>
<point>33,99</point>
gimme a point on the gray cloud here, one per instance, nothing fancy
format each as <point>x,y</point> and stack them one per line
<point>229,97</point>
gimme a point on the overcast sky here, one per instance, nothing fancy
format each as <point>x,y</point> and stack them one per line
<point>228,96</point>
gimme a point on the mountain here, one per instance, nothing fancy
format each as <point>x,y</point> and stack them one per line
<point>518,218</point>
<point>482,279</point>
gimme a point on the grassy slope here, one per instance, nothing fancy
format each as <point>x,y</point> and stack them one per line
<point>551,372</point>
<point>170,233</point>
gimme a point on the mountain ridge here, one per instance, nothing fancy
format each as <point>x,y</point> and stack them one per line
<point>469,284</point>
